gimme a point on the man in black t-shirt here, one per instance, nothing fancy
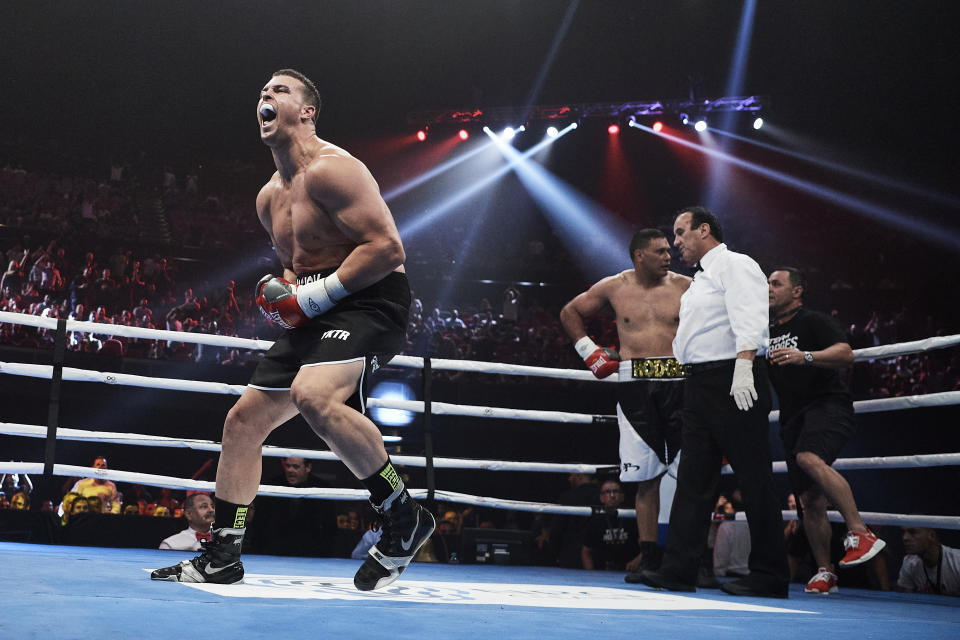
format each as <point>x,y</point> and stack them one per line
<point>610,542</point>
<point>807,349</point>
<point>294,526</point>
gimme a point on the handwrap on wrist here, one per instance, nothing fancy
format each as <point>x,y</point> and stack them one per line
<point>321,295</point>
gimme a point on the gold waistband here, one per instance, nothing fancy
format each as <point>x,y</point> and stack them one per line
<point>657,368</point>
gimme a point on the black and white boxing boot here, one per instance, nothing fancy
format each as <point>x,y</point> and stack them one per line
<point>219,561</point>
<point>406,527</point>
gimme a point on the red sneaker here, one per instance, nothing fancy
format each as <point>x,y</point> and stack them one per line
<point>860,548</point>
<point>823,583</point>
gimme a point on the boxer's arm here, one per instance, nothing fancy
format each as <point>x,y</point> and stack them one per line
<point>263,213</point>
<point>349,194</point>
<point>601,361</point>
<point>593,300</point>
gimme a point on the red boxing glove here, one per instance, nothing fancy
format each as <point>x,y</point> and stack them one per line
<point>277,299</point>
<point>600,360</point>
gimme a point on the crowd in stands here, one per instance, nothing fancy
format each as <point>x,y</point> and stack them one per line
<point>123,281</point>
<point>120,287</point>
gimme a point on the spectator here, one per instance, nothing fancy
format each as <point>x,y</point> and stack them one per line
<point>77,506</point>
<point>20,501</point>
<point>731,548</point>
<point>610,542</point>
<point>103,489</point>
<point>799,557</point>
<point>199,511</point>
<point>12,281</point>
<point>566,532</point>
<point>294,526</point>
<point>929,566</point>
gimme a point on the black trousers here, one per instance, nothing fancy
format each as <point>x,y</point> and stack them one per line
<point>713,427</point>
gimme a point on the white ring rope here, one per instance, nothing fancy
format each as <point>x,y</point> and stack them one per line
<point>110,437</point>
<point>471,366</point>
<point>941,399</point>
<point>905,348</point>
<point>438,408</point>
<point>81,326</point>
<point>870,517</point>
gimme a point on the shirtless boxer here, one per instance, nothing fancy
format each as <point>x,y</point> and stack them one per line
<point>646,302</point>
<point>343,300</point>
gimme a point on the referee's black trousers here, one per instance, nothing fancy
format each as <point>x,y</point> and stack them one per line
<point>713,427</point>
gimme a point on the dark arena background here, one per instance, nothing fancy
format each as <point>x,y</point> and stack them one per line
<point>518,145</point>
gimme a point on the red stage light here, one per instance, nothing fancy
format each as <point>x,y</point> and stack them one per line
<point>613,129</point>
<point>463,134</point>
<point>421,135</point>
<point>658,126</point>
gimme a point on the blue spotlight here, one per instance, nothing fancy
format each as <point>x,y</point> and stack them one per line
<point>508,133</point>
<point>758,123</point>
<point>701,125</point>
<point>885,181</point>
<point>552,132</point>
<point>738,71</point>
<point>897,219</point>
<point>584,225</point>
<point>392,390</point>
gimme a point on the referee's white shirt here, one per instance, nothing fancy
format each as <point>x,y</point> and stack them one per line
<point>186,540</point>
<point>726,309</point>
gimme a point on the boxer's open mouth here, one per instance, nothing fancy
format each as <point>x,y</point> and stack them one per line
<point>267,113</point>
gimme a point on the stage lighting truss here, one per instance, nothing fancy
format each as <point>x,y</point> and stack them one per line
<point>560,116</point>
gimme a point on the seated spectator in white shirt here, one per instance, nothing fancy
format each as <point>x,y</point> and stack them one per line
<point>928,567</point>
<point>199,511</point>
<point>731,549</point>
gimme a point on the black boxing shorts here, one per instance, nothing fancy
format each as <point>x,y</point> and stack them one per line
<point>823,428</point>
<point>649,400</point>
<point>369,325</point>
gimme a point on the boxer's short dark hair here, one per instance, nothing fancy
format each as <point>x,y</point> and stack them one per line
<point>641,239</point>
<point>310,93</point>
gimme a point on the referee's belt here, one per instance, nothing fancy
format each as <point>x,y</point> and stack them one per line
<point>657,368</point>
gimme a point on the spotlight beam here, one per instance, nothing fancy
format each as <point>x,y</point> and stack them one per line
<point>580,220</point>
<point>413,183</point>
<point>878,179</point>
<point>551,55</point>
<point>411,228</point>
<point>894,218</point>
<point>738,68</point>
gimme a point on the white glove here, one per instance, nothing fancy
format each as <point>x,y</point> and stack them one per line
<point>742,389</point>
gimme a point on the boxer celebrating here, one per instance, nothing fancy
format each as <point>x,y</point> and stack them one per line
<point>646,303</point>
<point>343,299</point>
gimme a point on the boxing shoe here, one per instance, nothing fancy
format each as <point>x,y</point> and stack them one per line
<point>860,547</point>
<point>823,583</point>
<point>406,527</point>
<point>753,586</point>
<point>218,563</point>
<point>658,580</point>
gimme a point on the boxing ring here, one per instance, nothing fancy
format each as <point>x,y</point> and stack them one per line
<point>455,600</point>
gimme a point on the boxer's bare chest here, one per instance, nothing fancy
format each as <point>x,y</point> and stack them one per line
<point>647,318</point>
<point>305,235</point>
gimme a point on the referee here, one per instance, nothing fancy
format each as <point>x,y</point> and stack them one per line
<point>723,329</point>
